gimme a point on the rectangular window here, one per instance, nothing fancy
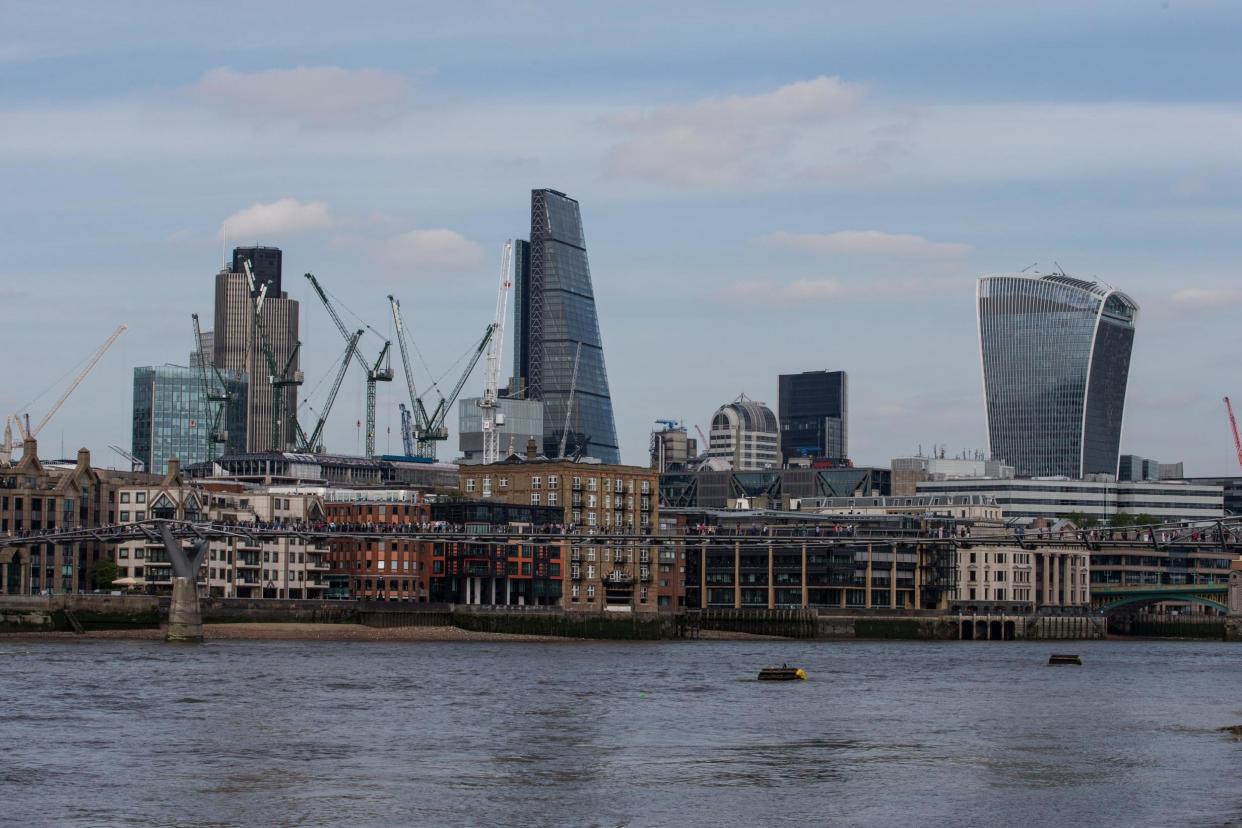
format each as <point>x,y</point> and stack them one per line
<point>470,484</point>
<point>125,497</point>
<point>535,482</point>
<point>534,498</point>
<point>552,481</point>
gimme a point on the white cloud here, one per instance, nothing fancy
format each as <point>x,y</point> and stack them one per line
<point>722,141</point>
<point>321,95</point>
<point>1207,298</point>
<point>284,217</point>
<point>435,248</point>
<point>864,242</point>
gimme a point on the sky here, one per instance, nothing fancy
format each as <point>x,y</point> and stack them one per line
<point>765,189</point>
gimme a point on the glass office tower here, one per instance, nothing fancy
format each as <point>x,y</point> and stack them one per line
<point>814,415</point>
<point>1056,358</point>
<point>556,326</point>
<point>173,418</point>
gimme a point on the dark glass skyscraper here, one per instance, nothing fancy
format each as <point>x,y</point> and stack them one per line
<point>555,325</point>
<point>814,415</point>
<point>1056,358</point>
<point>265,264</point>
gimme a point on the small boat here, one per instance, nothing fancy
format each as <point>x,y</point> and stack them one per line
<point>1062,658</point>
<point>782,673</point>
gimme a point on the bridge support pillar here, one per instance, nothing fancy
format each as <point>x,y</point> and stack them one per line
<point>185,617</point>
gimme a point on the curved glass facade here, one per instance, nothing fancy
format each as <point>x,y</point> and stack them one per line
<point>556,324</point>
<point>1056,358</point>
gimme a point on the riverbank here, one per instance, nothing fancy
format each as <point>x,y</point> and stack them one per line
<point>331,632</point>
<point>288,632</point>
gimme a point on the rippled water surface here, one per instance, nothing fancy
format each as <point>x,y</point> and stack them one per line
<point>103,733</point>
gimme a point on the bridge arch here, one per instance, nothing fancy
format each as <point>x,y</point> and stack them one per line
<point>1146,600</point>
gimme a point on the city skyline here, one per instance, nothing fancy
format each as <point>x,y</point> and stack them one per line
<point>842,192</point>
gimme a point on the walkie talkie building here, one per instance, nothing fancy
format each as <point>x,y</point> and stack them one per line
<point>1056,358</point>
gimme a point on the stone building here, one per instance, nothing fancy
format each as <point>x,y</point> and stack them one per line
<point>745,434</point>
<point>36,495</point>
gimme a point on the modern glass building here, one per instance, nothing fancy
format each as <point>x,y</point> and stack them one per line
<point>172,417</point>
<point>556,327</point>
<point>814,415</point>
<point>1056,357</point>
<point>523,419</point>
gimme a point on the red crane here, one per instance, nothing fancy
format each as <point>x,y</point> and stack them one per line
<point>1237,442</point>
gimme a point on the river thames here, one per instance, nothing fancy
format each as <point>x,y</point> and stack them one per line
<point>131,733</point>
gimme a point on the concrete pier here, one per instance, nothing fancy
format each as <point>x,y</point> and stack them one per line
<point>185,616</point>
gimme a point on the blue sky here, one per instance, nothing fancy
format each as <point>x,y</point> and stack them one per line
<point>765,189</point>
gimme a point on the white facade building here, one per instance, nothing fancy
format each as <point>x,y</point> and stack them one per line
<point>234,567</point>
<point>745,434</point>
<point>1058,497</point>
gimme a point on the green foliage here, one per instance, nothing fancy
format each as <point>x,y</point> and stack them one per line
<point>1122,520</point>
<point>102,573</point>
<point>1144,519</point>
<point>1082,521</point>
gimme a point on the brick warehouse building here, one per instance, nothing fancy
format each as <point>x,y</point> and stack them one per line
<point>393,570</point>
<point>598,499</point>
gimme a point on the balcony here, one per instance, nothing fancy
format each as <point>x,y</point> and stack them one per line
<point>619,579</point>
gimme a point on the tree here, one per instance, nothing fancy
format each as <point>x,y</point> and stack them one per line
<point>1122,520</point>
<point>1081,521</point>
<point>1144,519</point>
<point>102,573</point>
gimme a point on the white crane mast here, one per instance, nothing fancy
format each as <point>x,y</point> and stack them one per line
<point>569,404</point>
<point>492,417</point>
<point>29,432</point>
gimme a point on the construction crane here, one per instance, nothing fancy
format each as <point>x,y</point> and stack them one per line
<point>134,463</point>
<point>702,437</point>
<point>428,429</point>
<point>492,418</point>
<point>30,433</point>
<point>217,419</point>
<point>280,378</point>
<point>569,403</point>
<point>407,430</point>
<point>1233,424</point>
<point>381,371</point>
<point>314,443</point>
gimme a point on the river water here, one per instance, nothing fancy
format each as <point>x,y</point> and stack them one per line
<point>129,733</point>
